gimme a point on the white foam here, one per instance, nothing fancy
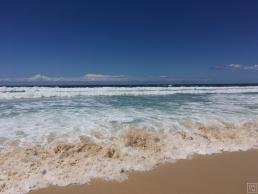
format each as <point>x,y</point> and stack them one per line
<point>61,164</point>
<point>46,92</point>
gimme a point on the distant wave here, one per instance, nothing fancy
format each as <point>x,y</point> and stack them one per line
<point>47,92</point>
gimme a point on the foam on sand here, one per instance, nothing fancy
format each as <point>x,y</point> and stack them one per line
<point>99,155</point>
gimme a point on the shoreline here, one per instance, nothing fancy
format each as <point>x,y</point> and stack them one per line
<point>226,172</point>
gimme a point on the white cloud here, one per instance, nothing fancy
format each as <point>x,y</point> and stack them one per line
<point>44,78</point>
<point>36,78</point>
<point>40,77</point>
<point>100,77</point>
<point>253,67</point>
<point>87,77</point>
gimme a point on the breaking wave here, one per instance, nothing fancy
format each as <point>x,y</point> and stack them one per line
<point>46,92</point>
<point>111,157</point>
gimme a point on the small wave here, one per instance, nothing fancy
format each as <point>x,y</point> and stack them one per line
<point>111,157</point>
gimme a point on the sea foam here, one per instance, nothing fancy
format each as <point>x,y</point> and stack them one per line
<point>64,136</point>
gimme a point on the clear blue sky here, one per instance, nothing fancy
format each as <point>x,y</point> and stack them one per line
<point>217,40</point>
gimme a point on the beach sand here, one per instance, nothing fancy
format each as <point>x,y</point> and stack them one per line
<point>225,173</point>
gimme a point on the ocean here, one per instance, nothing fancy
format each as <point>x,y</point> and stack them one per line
<point>73,134</point>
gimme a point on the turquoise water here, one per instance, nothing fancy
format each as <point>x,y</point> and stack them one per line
<point>32,118</point>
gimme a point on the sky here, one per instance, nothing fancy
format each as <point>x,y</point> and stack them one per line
<point>208,41</point>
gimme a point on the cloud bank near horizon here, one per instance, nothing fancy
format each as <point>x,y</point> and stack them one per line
<point>240,67</point>
<point>87,78</point>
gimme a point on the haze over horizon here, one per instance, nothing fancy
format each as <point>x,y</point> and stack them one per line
<point>156,41</point>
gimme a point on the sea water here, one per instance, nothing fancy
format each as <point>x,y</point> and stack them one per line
<point>64,135</point>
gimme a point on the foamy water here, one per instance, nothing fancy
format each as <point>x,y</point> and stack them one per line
<point>72,135</point>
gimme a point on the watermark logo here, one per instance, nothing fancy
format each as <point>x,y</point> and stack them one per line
<point>252,188</point>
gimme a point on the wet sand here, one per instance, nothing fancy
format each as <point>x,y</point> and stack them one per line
<point>225,173</point>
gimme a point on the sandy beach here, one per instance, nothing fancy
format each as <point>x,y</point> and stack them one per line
<point>225,173</point>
